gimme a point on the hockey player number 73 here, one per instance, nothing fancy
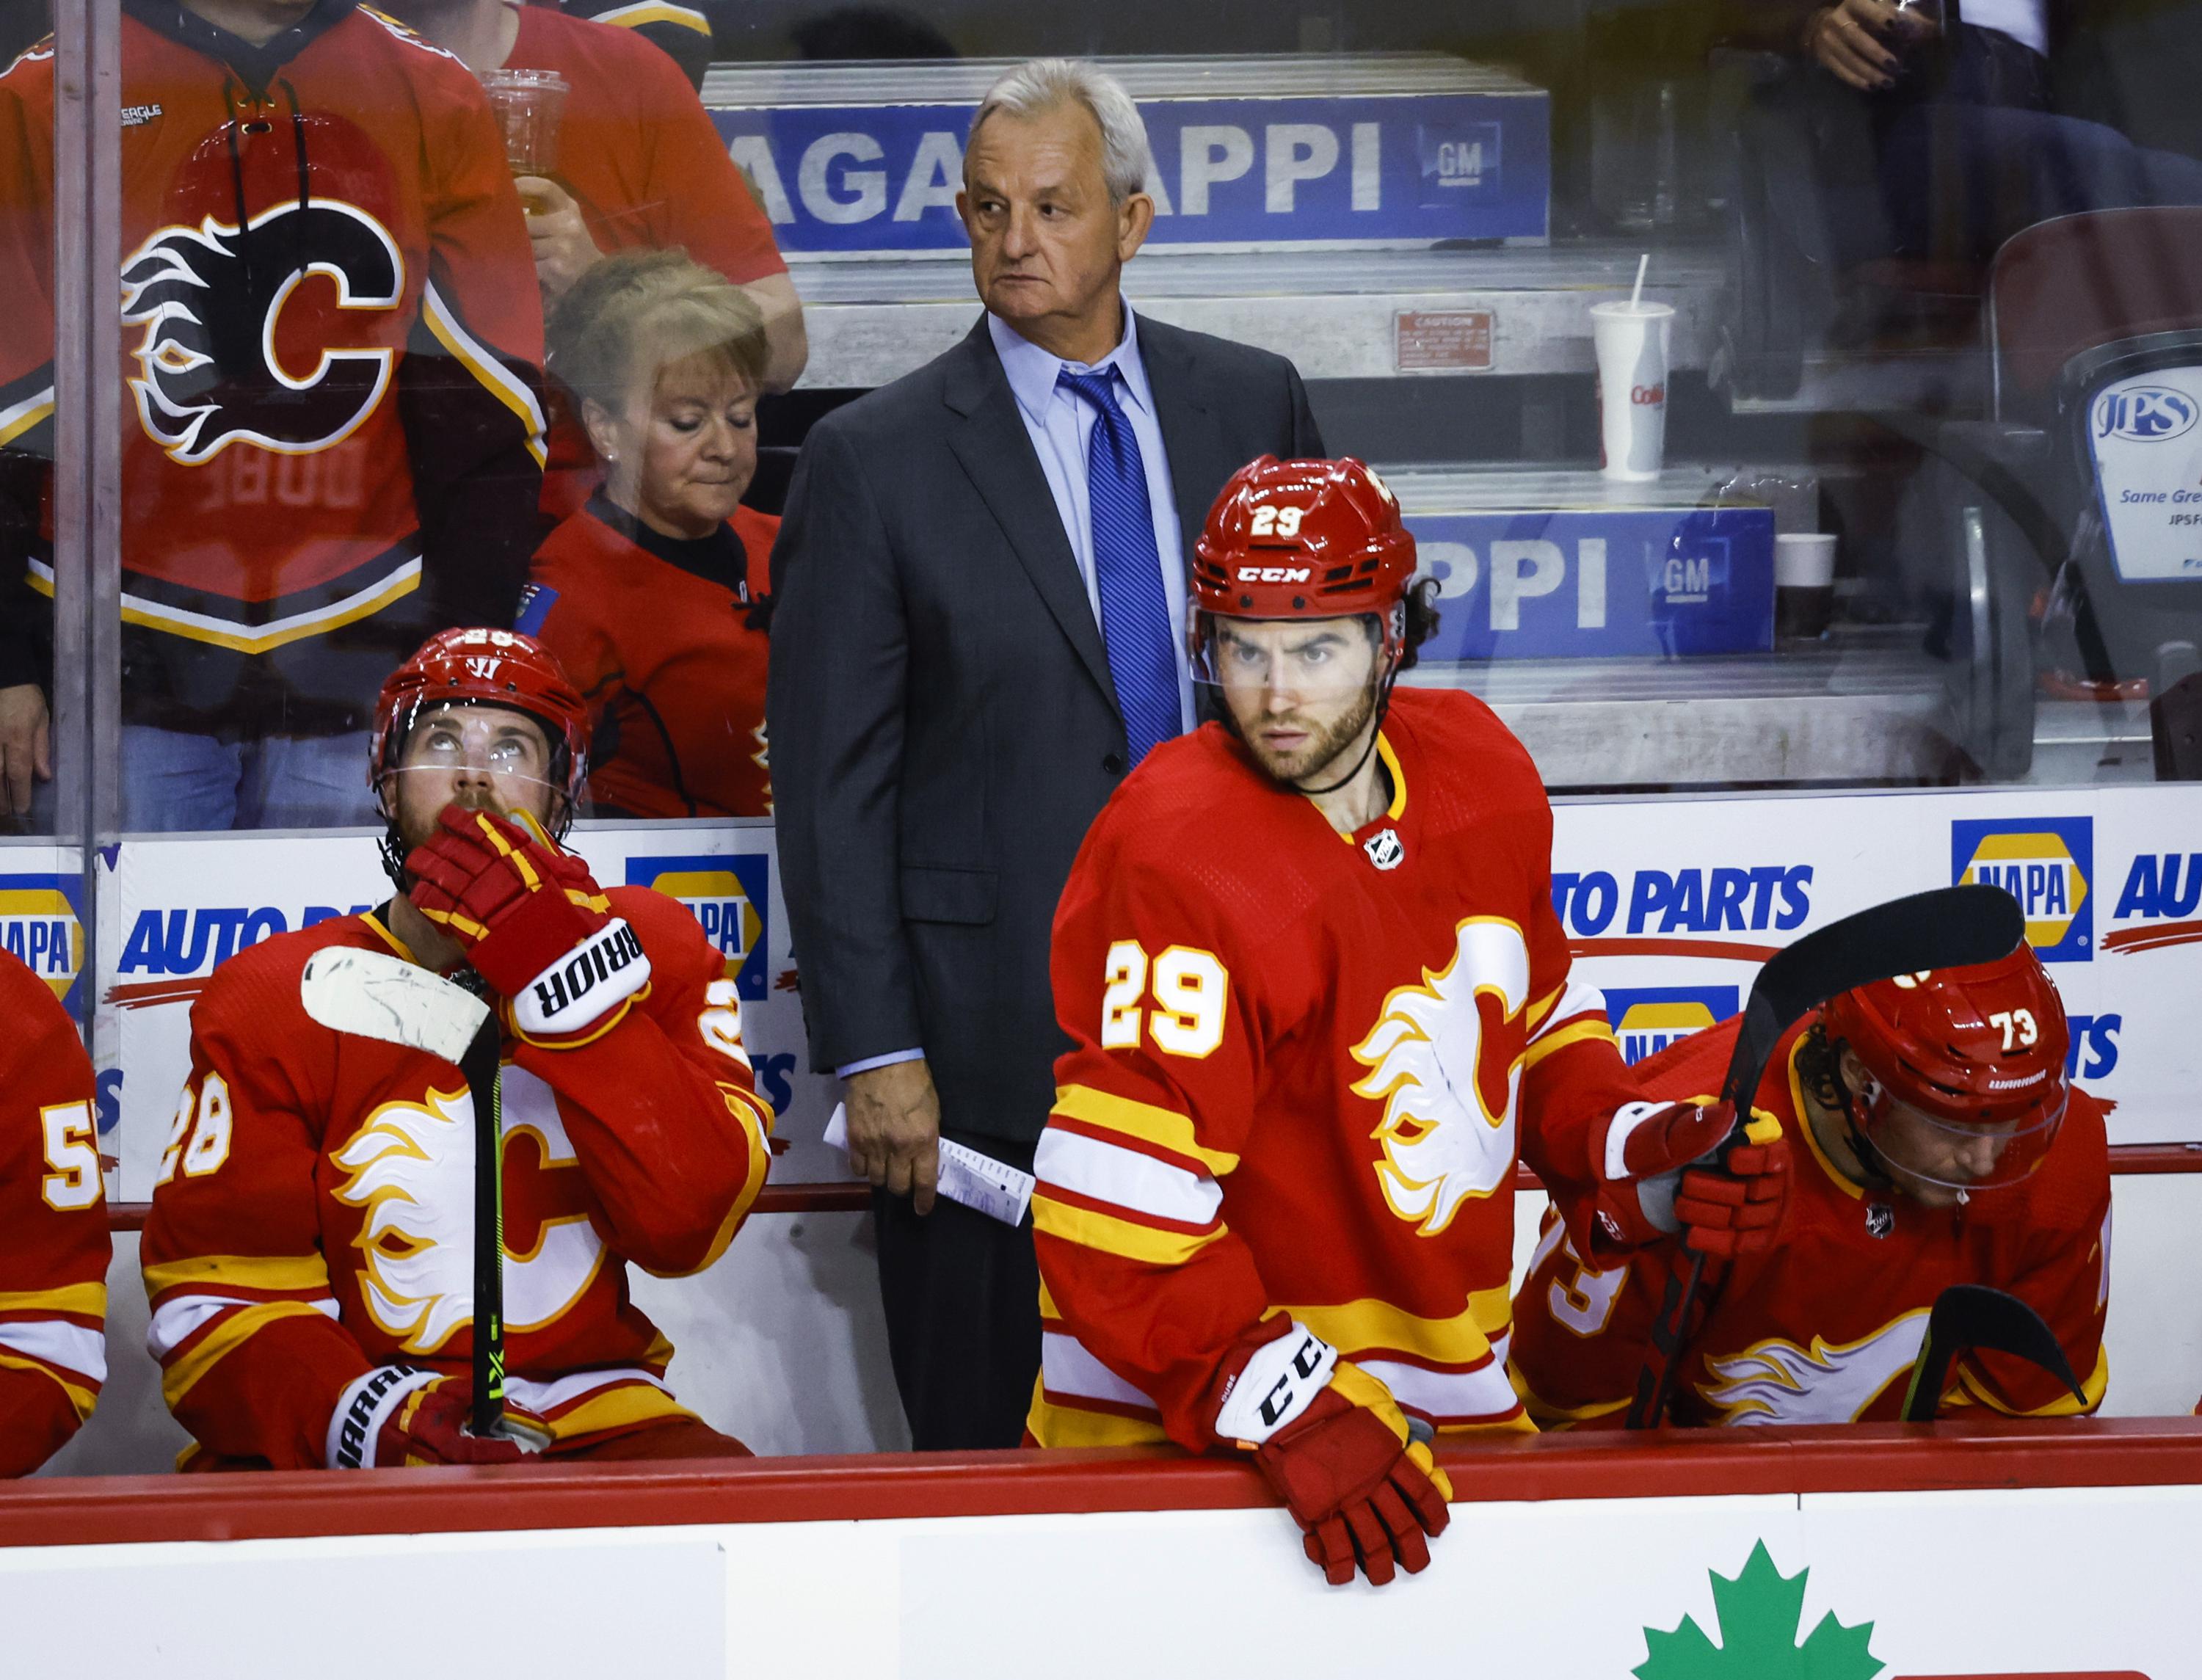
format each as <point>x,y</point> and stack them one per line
<point>1191,992</point>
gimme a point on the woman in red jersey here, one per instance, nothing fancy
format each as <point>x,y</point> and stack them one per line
<point>653,595</point>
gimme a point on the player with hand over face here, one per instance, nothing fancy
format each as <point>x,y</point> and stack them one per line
<point>310,1253</point>
<point>54,1246</point>
<point>1946,1147</point>
<point>1319,1002</point>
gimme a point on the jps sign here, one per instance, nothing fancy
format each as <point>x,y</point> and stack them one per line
<point>2146,413</point>
<point>1353,169</point>
<point>1529,585</point>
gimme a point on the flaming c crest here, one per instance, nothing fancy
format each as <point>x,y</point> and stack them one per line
<point>1777,1382</point>
<point>1438,1060</point>
<point>412,1167</point>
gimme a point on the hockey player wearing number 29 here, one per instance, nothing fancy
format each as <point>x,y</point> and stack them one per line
<point>310,1253</point>
<point>1320,1001</point>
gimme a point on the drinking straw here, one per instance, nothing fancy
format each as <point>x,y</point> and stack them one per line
<point>1636,297</point>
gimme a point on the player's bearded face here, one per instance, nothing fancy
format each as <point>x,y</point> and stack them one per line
<point>682,452</point>
<point>478,758</point>
<point>1301,692</point>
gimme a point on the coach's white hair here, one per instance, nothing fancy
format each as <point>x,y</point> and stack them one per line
<point>1045,83</point>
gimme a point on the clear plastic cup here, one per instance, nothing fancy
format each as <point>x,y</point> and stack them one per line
<point>1631,344</point>
<point>528,104</point>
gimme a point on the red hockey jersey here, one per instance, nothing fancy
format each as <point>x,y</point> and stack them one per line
<point>1300,1061</point>
<point>331,346</point>
<point>1825,1327</point>
<point>54,1246</point>
<point>656,633</point>
<point>312,1215</point>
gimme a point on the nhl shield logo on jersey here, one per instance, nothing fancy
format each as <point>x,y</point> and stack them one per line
<point>222,358</point>
<point>1385,849</point>
<point>1444,1058</point>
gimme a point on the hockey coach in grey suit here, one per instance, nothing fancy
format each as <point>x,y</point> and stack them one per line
<point>980,630</point>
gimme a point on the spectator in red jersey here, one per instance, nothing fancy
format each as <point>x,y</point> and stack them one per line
<point>653,595</point>
<point>639,167</point>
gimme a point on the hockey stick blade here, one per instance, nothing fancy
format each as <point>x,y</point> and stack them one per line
<point>1953,927</point>
<point>378,995</point>
<point>1974,1316</point>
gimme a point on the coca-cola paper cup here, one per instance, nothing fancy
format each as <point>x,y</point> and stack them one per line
<point>1632,387</point>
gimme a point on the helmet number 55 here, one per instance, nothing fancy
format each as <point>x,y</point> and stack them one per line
<point>2019,1030</point>
<point>1190,993</point>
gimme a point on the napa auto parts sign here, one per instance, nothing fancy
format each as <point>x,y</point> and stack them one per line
<point>181,907</point>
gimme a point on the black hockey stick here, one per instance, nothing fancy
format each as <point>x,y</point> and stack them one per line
<point>1952,927</point>
<point>375,994</point>
<point>1974,1316</point>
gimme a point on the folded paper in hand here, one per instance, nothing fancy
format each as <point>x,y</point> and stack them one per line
<point>978,1182</point>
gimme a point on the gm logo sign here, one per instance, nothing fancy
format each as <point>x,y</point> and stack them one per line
<point>728,895</point>
<point>40,929</point>
<point>2146,413</point>
<point>1646,1019</point>
<point>2046,864</point>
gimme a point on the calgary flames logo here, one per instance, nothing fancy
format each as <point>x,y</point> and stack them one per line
<point>1438,1059</point>
<point>211,299</point>
<point>1777,1382</point>
<point>412,1167</point>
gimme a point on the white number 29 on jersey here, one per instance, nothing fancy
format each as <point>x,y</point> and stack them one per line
<point>1190,993</point>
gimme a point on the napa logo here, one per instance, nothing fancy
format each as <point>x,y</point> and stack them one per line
<point>39,927</point>
<point>1646,1019</point>
<point>729,894</point>
<point>2144,413</point>
<point>2048,865</point>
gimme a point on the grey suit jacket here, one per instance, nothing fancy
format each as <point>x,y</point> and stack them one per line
<point>942,722</point>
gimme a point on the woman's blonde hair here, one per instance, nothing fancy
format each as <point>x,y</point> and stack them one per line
<point>637,311</point>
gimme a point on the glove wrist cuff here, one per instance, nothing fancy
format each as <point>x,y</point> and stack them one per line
<point>1278,1383</point>
<point>583,985</point>
<point>1619,1130</point>
<point>363,1409</point>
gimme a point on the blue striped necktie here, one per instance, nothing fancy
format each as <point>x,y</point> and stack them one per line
<point>1128,570</point>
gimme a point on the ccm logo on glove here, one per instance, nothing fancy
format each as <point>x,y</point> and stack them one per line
<point>1276,1385</point>
<point>610,966</point>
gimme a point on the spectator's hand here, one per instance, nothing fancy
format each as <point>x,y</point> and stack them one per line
<point>26,749</point>
<point>894,1129</point>
<point>563,249</point>
<point>1851,40</point>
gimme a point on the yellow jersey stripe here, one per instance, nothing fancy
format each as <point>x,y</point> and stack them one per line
<point>1164,1127</point>
<point>760,1136</point>
<point>1593,1027</point>
<point>26,415</point>
<point>1070,1425</point>
<point>482,363</point>
<point>654,11</point>
<point>241,1272</point>
<point>628,1403</point>
<point>1120,1237</point>
<point>2097,1383</point>
<point>1352,1327</point>
<point>80,1397</point>
<point>1541,1008</point>
<point>230,1333</point>
<point>222,632</point>
<point>89,1299</point>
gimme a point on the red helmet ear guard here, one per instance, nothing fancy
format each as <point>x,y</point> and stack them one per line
<point>1306,540</point>
<point>484,666</point>
<point>1979,1050</point>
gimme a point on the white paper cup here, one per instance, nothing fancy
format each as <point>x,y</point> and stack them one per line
<point>1632,387</point>
<point>1804,583</point>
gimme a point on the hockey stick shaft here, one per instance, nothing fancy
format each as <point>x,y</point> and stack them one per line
<point>1953,927</point>
<point>485,1087</point>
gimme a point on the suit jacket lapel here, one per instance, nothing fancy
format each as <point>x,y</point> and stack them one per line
<point>996,451</point>
<point>1199,451</point>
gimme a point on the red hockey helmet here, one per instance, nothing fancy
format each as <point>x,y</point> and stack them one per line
<point>1977,1056</point>
<point>1304,539</point>
<point>493,668</point>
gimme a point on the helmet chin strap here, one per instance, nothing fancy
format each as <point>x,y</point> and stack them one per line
<point>1869,1159</point>
<point>1376,728</point>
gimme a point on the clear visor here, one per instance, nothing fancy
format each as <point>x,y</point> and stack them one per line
<point>1965,1158</point>
<point>480,758</point>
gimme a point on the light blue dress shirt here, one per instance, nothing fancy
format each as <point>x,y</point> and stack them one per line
<point>1061,428</point>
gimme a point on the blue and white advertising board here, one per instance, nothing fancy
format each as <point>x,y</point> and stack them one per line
<point>1599,584</point>
<point>1358,169</point>
<point>2146,432</point>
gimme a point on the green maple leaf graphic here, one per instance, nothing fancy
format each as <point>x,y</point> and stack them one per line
<point>1760,1612</point>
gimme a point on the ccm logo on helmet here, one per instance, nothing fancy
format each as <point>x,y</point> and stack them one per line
<point>1274,574</point>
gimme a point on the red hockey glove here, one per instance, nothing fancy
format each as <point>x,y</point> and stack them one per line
<point>396,1416</point>
<point>1658,1176</point>
<point>534,923</point>
<point>1334,1445</point>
